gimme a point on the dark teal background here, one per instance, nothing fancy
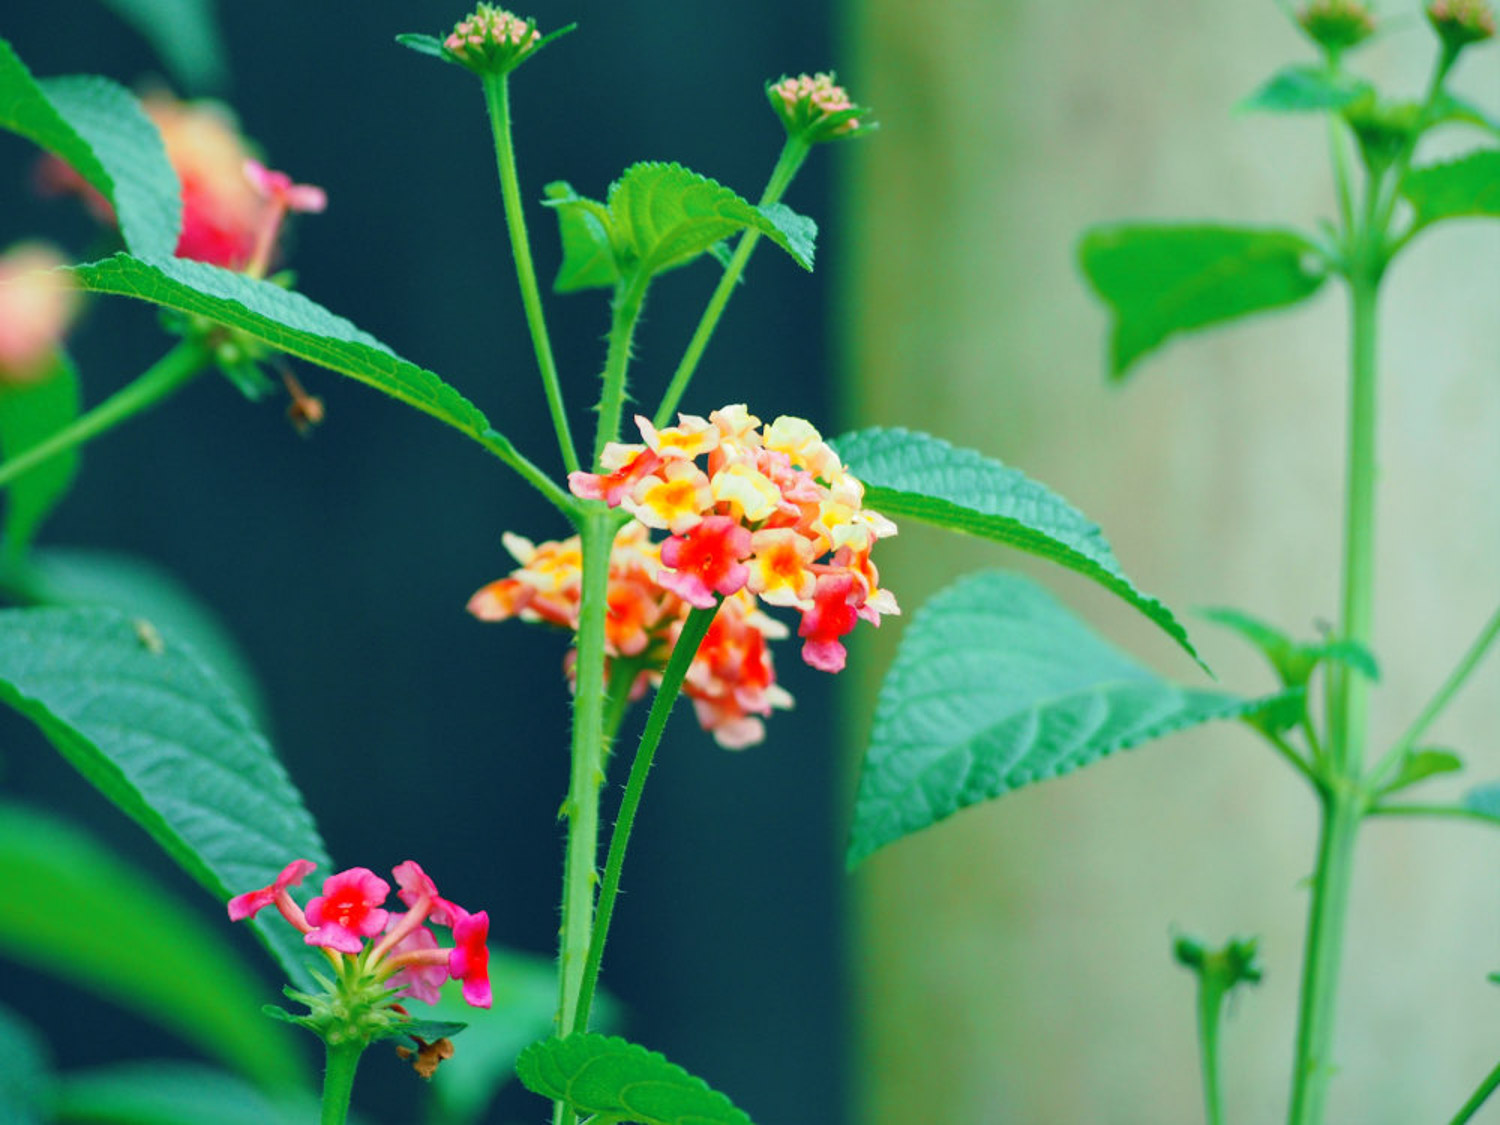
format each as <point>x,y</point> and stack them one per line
<point>342,563</point>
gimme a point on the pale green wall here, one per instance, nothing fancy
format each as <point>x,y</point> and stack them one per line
<point>1013,963</point>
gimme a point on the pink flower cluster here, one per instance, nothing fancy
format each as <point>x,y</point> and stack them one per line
<point>731,682</point>
<point>814,107</point>
<point>772,510</point>
<point>351,910</point>
<point>492,39</point>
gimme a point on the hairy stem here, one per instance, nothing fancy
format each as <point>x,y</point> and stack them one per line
<point>497,100</point>
<point>157,382</point>
<point>792,155</point>
<point>629,298</point>
<point>338,1081</point>
<point>693,631</point>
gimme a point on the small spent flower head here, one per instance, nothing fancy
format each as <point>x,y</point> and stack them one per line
<point>492,41</point>
<point>813,108</point>
<point>1462,22</point>
<point>1336,25</point>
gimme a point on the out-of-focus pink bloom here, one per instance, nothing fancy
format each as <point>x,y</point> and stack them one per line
<point>348,910</point>
<point>37,304</point>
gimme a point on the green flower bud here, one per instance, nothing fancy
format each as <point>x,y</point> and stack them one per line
<point>1337,25</point>
<point>1461,22</point>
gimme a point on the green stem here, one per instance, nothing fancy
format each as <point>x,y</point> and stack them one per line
<point>1439,701</point>
<point>1293,759</point>
<point>792,155</point>
<point>169,373</point>
<point>1447,56</point>
<point>693,631</point>
<point>497,100</point>
<point>1451,812</point>
<point>1210,1008</point>
<point>596,530</point>
<point>338,1081</point>
<point>629,298</point>
<point>1471,1107</point>
<point>500,445</point>
<point>1341,813</point>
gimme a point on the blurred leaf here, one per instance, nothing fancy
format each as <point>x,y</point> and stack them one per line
<point>286,321</point>
<point>185,34</point>
<point>1161,280</point>
<point>1483,801</point>
<point>996,686</point>
<point>98,127</point>
<point>1448,109</point>
<point>62,576</point>
<point>617,1081</point>
<point>659,217</point>
<point>1294,661</point>
<point>169,1093</point>
<point>29,413</point>
<point>523,1009</point>
<point>1466,187</point>
<point>79,913</point>
<point>25,1068</point>
<point>588,255</point>
<point>154,730</point>
<point>1420,764</point>
<point>916,476</point>
<point>1301,89</point>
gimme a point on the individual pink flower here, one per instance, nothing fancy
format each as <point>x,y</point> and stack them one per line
<point>251,903</point>
<point>469,959</point>
<point>416,885</point>
<point>706,560</point>
<point>831,617</point>
<point>348,910</point>
<point>421,978</point>
<point>280,197</point>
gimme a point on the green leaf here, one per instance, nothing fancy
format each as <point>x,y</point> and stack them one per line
<point>154,730</point>
<point>26,1073</point>
<point>99,128</point>
<point>185,34</point>
<point>29,413</point>
<point>1419,765</point>
<point>659,217</point>
<point>163,1093</point>
<point>1466,187</point>
<point>665,216</point>
<point>995,686</point>
<point>1302,89</point>
<point>81,914</point>
<point>1448,109</point>
<point>916,476</point>
<point>588,254</point>
<point>1161,280</point>
<point>1294,661</point>
<point>1483,801</point>
<point>617,1081</point>
<point>286,321</point>
<point>62,576</point>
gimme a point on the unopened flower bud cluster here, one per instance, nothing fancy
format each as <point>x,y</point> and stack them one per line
<point>813,107</point>
<point>492,40</point>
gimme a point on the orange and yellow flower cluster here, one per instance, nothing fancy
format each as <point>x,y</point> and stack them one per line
<point>770,515</point>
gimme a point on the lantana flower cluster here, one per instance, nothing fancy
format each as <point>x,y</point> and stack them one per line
<point>491,40</point>
<point>390,951</point>
<point>814,107</point>
<point>771,515</point>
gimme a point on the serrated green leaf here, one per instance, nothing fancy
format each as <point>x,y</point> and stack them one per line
<point>1294,661</point>
<point>25,1073</point>
<point>618,1081</point>
<point>799,231</point>
<point>154,730</point>
<point>186,36</point>
<point>66,576</point>
<point>1466,187</point>
<point>916,476</point>
<point>82,915</point>
<point>29,413</point>
<point>996,686</point>
<point>1483,801</point>
<point>168,1093</point>
<point>1303,89</point>
<point>588,254</point>
<point>664,216</point>
<point>286,321</point>
<point>98,127</point>
<point>1420,764</point>
<point>1160,280</point>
